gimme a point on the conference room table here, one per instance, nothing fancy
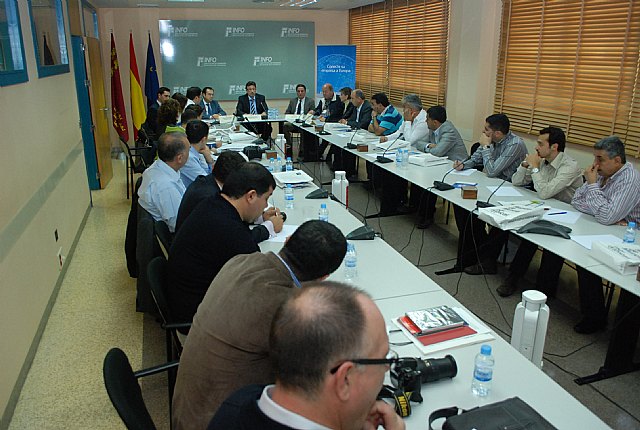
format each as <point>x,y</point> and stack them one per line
<point>397,286</point>
<point>627,319</point>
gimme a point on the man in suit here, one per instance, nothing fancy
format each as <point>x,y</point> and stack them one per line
<point>151,123</point>
<point>361,116</point>
<point>329,109</point>
<point>211,108</point>
<point>338,338</point>
<point>253,103</point>
<point>299,105</point>
<point>194,96</point>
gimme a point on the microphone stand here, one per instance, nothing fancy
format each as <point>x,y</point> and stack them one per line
<point>481,204</point>
<point>382,158</point>
<point>442,185</point>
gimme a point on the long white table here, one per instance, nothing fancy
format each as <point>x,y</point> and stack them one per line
<point>627,326</point>
<point>397,286</point>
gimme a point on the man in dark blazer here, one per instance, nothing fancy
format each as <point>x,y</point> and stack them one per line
<point>211,108</point>
<point>360,119</point>
<point>329,109</point>
<point>254,103</point>
<point>151,123</point>
<point>299,105</point>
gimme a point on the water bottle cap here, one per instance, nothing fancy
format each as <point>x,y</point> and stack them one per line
<point>350,246</point>
<point>632,224</point>
<point>279,159</point>
<point>323,205</point>
<point>288,158</point>
<point>485,350</point>
<point>289,186</point>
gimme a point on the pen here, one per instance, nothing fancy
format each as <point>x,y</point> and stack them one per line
<point>558,213</point>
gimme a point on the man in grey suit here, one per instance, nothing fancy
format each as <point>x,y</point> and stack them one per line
<point>299,105</point>
<point>443,141</point>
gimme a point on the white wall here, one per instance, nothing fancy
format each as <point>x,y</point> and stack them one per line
<point>43,187</point>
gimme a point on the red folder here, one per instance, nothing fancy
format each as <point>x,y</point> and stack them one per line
<point>441,336</point>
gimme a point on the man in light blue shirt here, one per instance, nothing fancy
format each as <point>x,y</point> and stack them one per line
<point>200,159</point>
<point>161,190</point>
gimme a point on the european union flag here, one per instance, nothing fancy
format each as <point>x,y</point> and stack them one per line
<point>151,84</point>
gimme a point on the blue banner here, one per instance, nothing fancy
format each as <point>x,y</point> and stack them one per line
<point>337,66</point>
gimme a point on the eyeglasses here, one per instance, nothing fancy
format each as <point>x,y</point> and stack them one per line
<point>390,358</point>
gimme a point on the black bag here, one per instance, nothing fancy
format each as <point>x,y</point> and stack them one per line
<point>512,414</point>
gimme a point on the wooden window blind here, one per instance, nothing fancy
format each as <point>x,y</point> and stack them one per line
<point>573,64</point>
<point>401,48</point>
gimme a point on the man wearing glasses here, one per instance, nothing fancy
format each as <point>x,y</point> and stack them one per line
<point>330,351</point>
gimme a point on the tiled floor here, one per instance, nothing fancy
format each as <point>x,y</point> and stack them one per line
<point>95,311</point>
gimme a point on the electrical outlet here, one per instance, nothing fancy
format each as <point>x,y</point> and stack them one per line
<point>61,259</point>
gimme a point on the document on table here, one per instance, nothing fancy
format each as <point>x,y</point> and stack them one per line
<point>483,334</point>
<point>505,191</point>
<point>467,172</point>
<point>287,230</point>
<point>587,240</point>
<point>561,216</point>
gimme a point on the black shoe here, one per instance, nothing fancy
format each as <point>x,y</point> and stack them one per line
<point>589,326</point>
<point>509,287</point>
<point>425,223</point>
<point>487,268</point>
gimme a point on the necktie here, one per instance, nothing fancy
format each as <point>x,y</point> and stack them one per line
<point>358,115</point>
<point>208,105</point>
<point>253,105</point>
<point>299,108</point>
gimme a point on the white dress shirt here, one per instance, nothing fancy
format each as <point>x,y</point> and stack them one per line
<point>413,131</point>
<point>284,416</point>
<point>161,192</point>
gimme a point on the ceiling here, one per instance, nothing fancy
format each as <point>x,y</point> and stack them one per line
<point>235,4</point>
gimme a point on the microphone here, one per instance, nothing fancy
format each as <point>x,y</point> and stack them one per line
<point>352,145</point>
<point>481,204</point>
<point>259,140</point>
<point>264,107</point>
<point>442,185</point>
<point>382,158</point>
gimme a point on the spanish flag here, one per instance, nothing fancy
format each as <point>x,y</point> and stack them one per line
<point>119,115</point>
<point>138,114</point>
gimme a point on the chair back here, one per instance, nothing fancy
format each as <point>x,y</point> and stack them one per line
<point>124,391</point>
<point>164,236</point>
<point>157,274</point>
<point>146,249</point>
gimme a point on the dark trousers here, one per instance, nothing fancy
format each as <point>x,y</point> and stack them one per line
<point>394,190</point>
<point>263,129</point>
<point>591,296</point>
<point>424,200</point>
<point>548,273</point>
<point>474,243</point>
<point>309,147</point>
<point>342,160</point>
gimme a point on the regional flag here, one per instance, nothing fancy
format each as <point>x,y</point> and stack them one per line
<point>118,113</point>
<point>151,84</point>
<point>138,114</point>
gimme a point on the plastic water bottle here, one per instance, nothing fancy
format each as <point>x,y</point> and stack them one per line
<point>405,158</point>
<point>630,233</point>
<point>483,372</point>
<point>272,165</point>
<point>323,213</point>
<point>279,164</point>
<point>288,196</point>
<point>399,155</point>
<point>350,263</point>
<point>289,164</point>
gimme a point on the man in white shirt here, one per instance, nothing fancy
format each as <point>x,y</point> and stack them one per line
<point>299,105</point>
<point>161,190</point>
<point>330,350</point>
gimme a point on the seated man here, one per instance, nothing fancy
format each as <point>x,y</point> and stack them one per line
<point>151,123</point>
<point>333,156</point>
<point>611,194</point>
<point>228,344</point>
<point>325,379</point>
<point>299,105</point>
<point>216,231</point>
<point>208,186</point>
<point>413,130</point>
<point>194,95</point>
<point>200,159</point>
<point>553,174</point>
<point>253,103</point>
<point>329,109</point>
<point>211,108</point>
<point>161,190</point>
<point>501,153</point>
<point>443,140</point>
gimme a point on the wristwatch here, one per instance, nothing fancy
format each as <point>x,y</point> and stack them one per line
<point>535,170</point>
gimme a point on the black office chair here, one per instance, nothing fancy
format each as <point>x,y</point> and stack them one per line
<point>139,157</point>
<point>156,271</point>
<point>122,387</point>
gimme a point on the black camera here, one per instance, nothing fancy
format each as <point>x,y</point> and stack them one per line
<point>408,375</point>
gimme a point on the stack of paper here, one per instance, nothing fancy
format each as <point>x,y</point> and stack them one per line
<point>393,144</point>
<point>363,136</point>
<point>293,177</point>
<point>241,137</point>
<point>427,160</point>
<point>510,216</point>
<point>622,257</point>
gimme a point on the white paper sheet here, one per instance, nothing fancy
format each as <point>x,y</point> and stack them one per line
<point>287,230</point>
<point>587,239</point>
<point>467,172</point>
<point>561,216</point>
<point>505,191</point>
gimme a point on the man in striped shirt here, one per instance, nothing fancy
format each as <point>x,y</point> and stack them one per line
<point>611,194</point>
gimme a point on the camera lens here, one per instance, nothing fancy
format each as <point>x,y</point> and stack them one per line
<point>434,369</point>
